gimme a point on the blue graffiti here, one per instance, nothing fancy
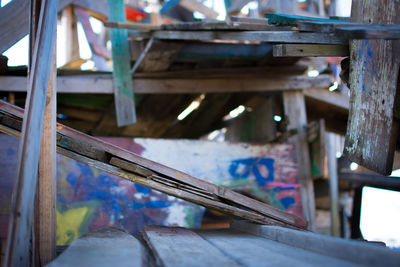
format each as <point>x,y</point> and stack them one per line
<point>242,168</point>
<point>287,201</point>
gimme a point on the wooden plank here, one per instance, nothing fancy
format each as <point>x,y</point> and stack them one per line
<point>15,23</point>
<point>182,247</point>
<point>387,32</point>
<point>45,224</point>
<point>310,50</point>
<point>249,20</point>
<point>14,18</point>
<point>295,111</point>
<point>100,152</point>
<point>28,157</point>
<point>349,250</point>
<point>71,37</point>
<point>102,84</point>
<point>194,5</point>
<point>104,247</point>
<point>371,179</point>
<point>333,184</point>
<point>157,56</point>
<point>95,46</point>
<point>337,100</point>
<point>321,26</point>
<point>221,25</point>
<point>259,36</point>
<point>123,94</point>
<point>250,250</point>
<point>371,129</point>
<point>292,20</point>
<point>132,25</point>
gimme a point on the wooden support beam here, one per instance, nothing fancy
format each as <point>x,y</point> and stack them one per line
<point>72,45</point>
<point>14,21</point>
<point>333,184</point>
<point>45,224</point>
<point>21,217</point>
<point>95,46</point>
<point>374,69</point>
<point>258,36</point>
<point>157,56</point>
<point>99,53</point>
<point>371,179</point>
<point>295,112</point>
<point>103,84</point>
<point>123,94</point>
<point>310,50</point>
<point>335,99</point>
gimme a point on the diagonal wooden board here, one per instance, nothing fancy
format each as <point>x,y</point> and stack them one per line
<point>97,153</point>
<point>374,70</point>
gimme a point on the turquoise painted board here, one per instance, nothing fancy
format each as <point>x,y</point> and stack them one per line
<point>291,20</point>
<point>123,89</point>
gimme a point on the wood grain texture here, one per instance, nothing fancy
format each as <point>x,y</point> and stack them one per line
<point>374,70</point>
<point>310,50</point>
<point>251,250</point>
<point>295,111</point>
<point>182,247</point>
<point>352,251</point>
<point>104,247</point>
<point>123,94</point>
<point>260,36</point>
<point>45,228</point>
<point>157,56</point>
<point>14,21</point>
<point>28,158</point>
<point>145,84</point>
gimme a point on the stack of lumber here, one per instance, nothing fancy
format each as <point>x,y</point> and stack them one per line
<point>244,244</point>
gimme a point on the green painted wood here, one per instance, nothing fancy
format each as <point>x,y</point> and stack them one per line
<point>291,20</point>
<point>123,93</point>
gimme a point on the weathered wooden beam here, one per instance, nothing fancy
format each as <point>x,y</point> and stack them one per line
<point>123,94</point>
<point>295,112</point>
<point>374,69</point>
<point>21,217</point>
<point>45,228</point>
<point>337,100</point>
<point>174,247</point>
<point>132,25</point>
<point>105,247</point>
<point>310,50</point>
<point>258,36</point>
<point>14,21</point>
<point>371,179</point>
<point>102,84</point>
<point>333,184</point>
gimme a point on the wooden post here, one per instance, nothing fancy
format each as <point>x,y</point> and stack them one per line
<point>333,184</point>
<point>71,36</point>
<point>374,69</point>
<point>21,217</point>
<point>45,207</point>
<point>295,112</point>
<point>123,93</point>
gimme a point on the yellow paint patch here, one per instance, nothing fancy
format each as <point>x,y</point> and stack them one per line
<point>68,224</point>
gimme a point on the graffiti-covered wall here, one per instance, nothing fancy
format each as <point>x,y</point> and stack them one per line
<point>88,199</point>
